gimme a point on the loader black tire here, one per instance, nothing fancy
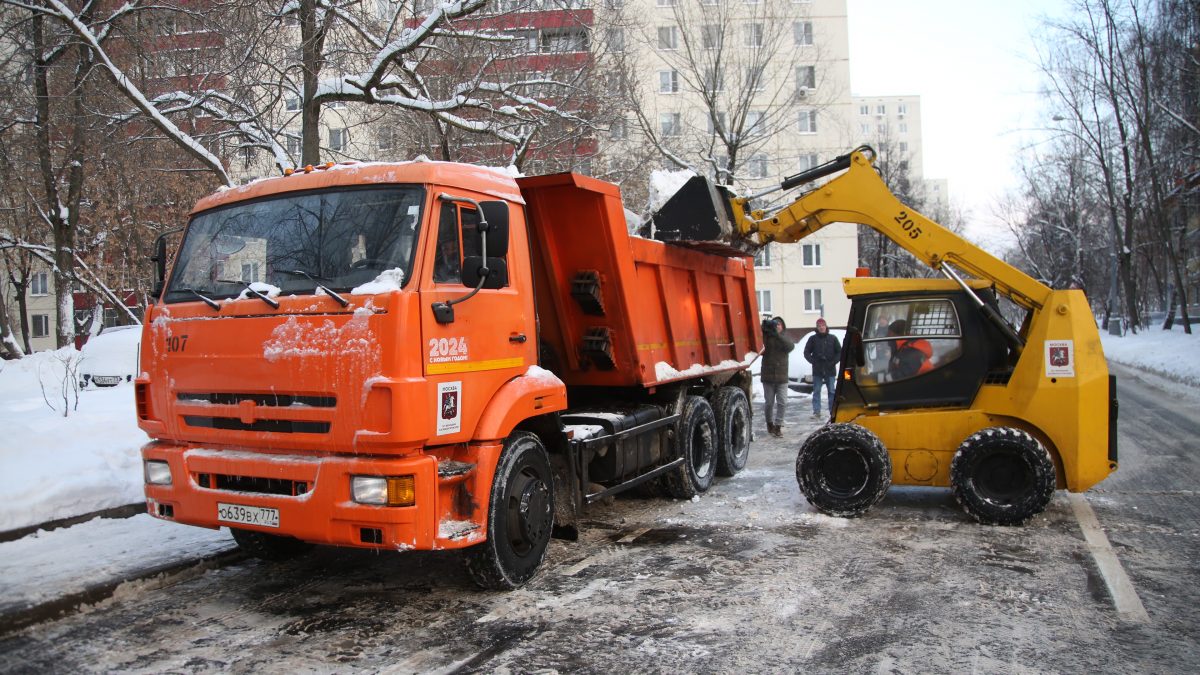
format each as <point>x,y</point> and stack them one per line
<point>520,516</point>
<point>696,442</point>
<point>843,470</point>
<point>1002,476</point>
<point>733,430</point>
<point>271,547</point>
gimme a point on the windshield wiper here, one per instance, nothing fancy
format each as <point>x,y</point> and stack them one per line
<point>328,291</point>
<point>207,300</point>
<point>246,284</point>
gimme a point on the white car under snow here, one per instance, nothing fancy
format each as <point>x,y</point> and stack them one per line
<point>111,357</point>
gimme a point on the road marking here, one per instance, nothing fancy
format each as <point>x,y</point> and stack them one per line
<point>628,539</point>
<point>1125,598</point>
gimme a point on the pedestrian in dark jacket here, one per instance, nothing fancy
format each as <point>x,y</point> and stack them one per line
<point>823,351</point>
<point>774,373</point>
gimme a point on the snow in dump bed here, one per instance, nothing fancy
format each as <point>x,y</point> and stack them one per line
<point>388,280</point>
<point>1170,353</point>
<point>664,371</point>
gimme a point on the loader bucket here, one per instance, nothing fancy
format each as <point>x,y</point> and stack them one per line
<point>698,212</point>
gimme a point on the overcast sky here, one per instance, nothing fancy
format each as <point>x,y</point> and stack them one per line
<point>974,66</point>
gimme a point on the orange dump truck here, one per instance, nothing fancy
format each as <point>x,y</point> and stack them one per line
<point>432,355</point>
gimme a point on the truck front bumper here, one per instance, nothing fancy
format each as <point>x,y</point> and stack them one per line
<point>312,495</point>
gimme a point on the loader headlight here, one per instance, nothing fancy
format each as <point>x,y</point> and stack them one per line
<point>157,472</point>
<point>384,490</point>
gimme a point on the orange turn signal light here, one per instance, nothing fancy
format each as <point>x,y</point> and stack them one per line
<point>401,491</point>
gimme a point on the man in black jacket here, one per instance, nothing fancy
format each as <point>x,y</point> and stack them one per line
<point>823,351</point>
<point>774,373</point>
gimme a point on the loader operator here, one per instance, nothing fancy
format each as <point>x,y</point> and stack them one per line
<point>912,355</point>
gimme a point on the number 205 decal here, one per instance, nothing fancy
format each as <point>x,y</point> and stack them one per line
<point>448,349</point>
<point>906,223</point>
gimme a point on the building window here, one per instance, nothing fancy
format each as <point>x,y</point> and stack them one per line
<point>806,77</point>
<point>386,139</point>
<point>41,325</point>
<point>754,123</point>
<point>762,259</point>
<point>808,121</point>
<point>617,131</point>
<point>339,138</point>
<point>668,37</point>
<point>754,35</point>
<point>293,103</point>
<point>903,146</point>
<point>812,300</point>
<point>864,129</point>
<point>811,254</point>
<point>335,105</point>
<point>714,79</point>
<point>755,78</point>
<point>902,109</point>
<point>718,125</point>
<point>881,109</point>
<point>669,123</point>
<point>293,145</point>
<point>563,41</point>
<point>808,161</point>
<point>616,40</point>
<point>710,36</point>
<point>250,272</point>
<point>756,167</point>
<point>665,3</point>
<point>864,110</point>
<point>668,82</point>
<point>764,301</point>
<point>881,129</point>
<point>39,284</point>
<point>904,127</point>
<point>803,31</point>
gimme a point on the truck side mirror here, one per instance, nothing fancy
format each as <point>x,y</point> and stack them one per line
<point>159,258</point>
<point>496,215</point>
<point>497,276</point>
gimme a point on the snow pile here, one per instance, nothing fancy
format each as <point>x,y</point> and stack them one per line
<point>389,280</point>
<point>664,184</point>
<point>260,287</point>
<point>543,376</point>
<point>56,467</point>
<point>1172,354</point>
<point>664,371</point>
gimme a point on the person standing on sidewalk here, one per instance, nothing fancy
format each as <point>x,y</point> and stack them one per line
<point>774,372</point>
<point>823,351</point>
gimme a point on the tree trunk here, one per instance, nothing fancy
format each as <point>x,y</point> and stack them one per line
<point>311,42</point>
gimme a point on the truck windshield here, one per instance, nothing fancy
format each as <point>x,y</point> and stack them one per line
<point>336,238</point>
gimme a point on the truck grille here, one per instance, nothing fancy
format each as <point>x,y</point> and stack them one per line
<point>270,400</point>
<point>265,486</point>
<point>265,412</point>
<point>275,426</point>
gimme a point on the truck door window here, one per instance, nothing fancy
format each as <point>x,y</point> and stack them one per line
<point>447,266</point>
<point>909,338</point>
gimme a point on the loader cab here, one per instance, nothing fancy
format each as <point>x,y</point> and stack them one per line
<point>917,343</point>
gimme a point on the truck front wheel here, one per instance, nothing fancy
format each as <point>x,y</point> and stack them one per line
<point>843,470</point>
<point>520,516</point>
<point>696,442</point>
<point>1002,476</point>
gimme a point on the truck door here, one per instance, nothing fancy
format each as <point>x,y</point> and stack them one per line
<point>490,339</point>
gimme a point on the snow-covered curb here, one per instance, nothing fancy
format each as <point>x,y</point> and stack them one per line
<point>1172,354</point>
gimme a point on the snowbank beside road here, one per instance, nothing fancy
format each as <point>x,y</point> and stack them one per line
<point>1172,354</point>
<point>56,467</point>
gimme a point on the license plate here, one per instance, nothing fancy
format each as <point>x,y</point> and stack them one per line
<point>107,380</point>
<point>248,515</point>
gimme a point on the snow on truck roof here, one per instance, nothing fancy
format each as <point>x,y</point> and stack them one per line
<point>496,182</point>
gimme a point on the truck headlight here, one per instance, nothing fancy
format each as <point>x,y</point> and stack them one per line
<point>157,472</point>
<point>384,490</point>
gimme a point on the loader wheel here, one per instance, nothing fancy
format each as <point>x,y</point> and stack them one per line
<point>270,547</point>
<point>843,470</point>
<point>1002,476</point>
<point>696,441</point>
<point>733,430</point>
<point>520,516</point>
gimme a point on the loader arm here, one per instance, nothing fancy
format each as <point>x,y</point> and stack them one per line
<point>860,196</point>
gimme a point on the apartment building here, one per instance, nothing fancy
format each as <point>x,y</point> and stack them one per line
<point>892,125</point>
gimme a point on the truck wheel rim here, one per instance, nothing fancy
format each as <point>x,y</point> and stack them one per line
<point>528,511</point>
<point>844,471</point>
<point>701,441</point>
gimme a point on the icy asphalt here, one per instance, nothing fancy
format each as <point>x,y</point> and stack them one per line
<point>748,578</point>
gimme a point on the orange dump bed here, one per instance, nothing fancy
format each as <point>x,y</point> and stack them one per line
<point>618,310</point>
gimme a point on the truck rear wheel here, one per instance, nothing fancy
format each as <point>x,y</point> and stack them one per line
<point>270,547</point>
<point>520,516</point>
<point>1002,476</point>
<point>843,470</point>
<point>696,442</point>
<point>733,429</point>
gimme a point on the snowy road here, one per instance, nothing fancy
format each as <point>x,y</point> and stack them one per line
<point>746,579</point>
